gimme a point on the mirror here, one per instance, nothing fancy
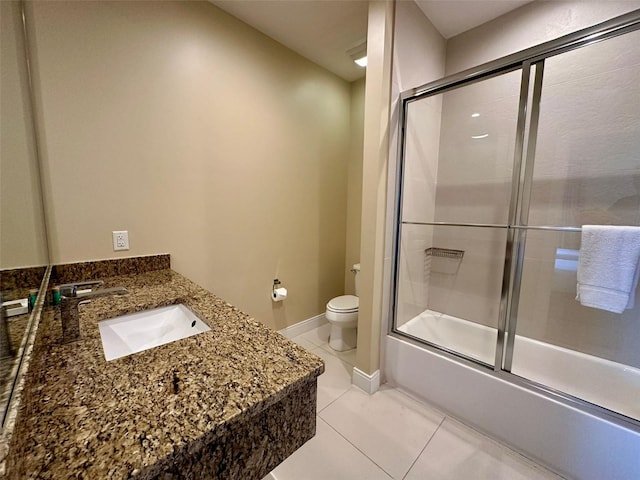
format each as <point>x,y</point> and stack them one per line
<point>23,240</point>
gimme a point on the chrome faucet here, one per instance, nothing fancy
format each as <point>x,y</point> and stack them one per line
<point>69,307</point>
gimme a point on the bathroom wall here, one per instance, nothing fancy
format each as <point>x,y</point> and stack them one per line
<point>354,179</point>
<point>22,239</point>
<point>201,137</point>
<point>586,117</point>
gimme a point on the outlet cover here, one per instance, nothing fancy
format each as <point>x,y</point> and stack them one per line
<point>120,240</point>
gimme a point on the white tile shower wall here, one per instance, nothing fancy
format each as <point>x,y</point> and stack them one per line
<point>473,291</point>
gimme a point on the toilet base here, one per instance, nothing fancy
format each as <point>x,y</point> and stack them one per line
<point>342,339</point>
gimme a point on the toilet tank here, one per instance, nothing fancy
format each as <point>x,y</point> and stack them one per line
<point>356,271</point>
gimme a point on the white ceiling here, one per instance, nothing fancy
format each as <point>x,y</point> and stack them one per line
<point>320,30</point>
<point>323,30</point>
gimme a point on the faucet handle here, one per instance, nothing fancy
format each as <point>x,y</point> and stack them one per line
<point>70,289</point>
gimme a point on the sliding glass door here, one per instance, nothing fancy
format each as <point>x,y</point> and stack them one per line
<point>458,168</point>
<point>498,172</point>
<point>585,170</point>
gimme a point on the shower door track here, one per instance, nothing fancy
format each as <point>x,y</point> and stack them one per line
<point>526,60</point>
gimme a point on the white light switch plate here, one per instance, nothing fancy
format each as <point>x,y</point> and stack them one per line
<point>121,240</point>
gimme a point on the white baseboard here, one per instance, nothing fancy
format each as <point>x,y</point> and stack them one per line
<point>303,326</point>
<point>368,383</point>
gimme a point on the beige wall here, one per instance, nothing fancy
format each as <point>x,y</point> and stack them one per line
<point>201,137</point>
<point>374,184</point>
<point>22,235</point>
<point>354,190</point>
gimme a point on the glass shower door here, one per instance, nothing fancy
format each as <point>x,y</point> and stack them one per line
<point>455,196</point>
<point>585,170</point>
<point>497,177</point>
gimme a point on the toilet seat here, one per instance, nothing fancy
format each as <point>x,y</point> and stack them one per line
<point>344,304</point>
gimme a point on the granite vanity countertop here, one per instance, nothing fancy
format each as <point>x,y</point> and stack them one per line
<point>17,326</point>
<point>84,417</point>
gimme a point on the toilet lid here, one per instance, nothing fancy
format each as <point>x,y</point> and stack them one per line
<point>345,303</point>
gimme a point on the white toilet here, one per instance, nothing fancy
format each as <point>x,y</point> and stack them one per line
<point>342,314</point>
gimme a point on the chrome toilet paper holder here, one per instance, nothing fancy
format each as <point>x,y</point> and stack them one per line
<point>276,283</point>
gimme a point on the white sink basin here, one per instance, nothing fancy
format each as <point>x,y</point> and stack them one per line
<point>135,332</point>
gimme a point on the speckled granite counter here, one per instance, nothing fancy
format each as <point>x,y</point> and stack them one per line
<point>230,403</point>
<point>17,327</point>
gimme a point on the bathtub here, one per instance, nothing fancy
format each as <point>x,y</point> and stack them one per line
<point>568,437</point>
<point>609,384</point>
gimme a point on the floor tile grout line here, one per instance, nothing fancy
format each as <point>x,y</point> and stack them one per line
<point>334,356</point>
<point>350,379</point>
<point>311,341</point>
<point>425,446</point>
<point>315,345</point>
<point>301,337</point>
<point>332,352</point>
<point>332,402</point>
<point>354,446</point>
<point>509,451</point>
<point>322,345</point>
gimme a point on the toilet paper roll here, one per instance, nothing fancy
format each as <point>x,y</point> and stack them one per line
<point>279,294</point>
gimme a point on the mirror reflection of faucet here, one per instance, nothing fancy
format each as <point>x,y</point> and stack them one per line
<point>5,344</point>
<point>74,288</point>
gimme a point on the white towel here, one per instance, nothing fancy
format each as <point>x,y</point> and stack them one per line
<point>608,267</point>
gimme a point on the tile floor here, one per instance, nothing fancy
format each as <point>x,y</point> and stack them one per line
<point>389,435</point>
